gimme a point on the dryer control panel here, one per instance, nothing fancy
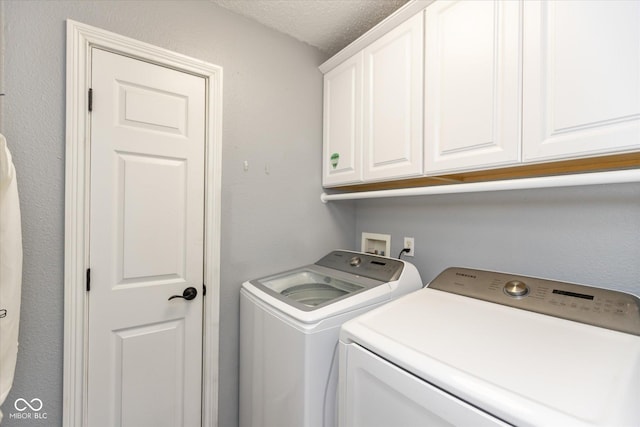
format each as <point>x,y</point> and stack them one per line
<point>605,308</point>
<point>362,264</point>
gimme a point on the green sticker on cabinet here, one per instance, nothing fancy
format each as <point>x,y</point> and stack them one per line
<point>335,157</point>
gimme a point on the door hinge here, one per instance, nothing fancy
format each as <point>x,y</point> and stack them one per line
<point>90,100</point>
<point>88,279</point>
<point>204,289</point>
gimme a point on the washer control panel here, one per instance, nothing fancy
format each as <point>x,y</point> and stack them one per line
<point>362,264</point>
<point>595,306</point>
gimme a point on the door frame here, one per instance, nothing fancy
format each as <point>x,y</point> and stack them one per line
<point>81,39</point>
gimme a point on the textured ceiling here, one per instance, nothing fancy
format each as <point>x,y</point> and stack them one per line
<point>329,25</point>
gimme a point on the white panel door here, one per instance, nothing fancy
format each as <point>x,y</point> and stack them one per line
<point>342,133</point>
<point>146,244</point>
<point>472,84</point>
<point>581,78</point>
<point>393,109</point>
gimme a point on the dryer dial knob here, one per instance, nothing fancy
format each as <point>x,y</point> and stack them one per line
<point>516,288</point>
<point>355,261</point>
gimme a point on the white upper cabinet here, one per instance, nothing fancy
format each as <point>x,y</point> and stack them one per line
<point>461,85</point>
<point>342,133</point>
<point>472,85</point>
<point>581,78</point>
<point>393,75</point>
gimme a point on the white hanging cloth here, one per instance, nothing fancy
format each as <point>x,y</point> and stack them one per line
<point>10,270</point>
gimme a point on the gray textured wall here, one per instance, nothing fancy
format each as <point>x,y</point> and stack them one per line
<point>588,235</point>
<point>272,118</point>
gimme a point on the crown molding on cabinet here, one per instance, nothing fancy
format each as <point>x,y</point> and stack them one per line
<point>405,12</point>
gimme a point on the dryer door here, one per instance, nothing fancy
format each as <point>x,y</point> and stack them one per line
<point>376,393</point>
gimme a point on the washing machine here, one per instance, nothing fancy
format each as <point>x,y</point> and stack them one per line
<point>482,348</point>
<point>289,328</point>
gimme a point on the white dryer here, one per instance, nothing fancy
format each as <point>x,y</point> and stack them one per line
<point>289,327</point>
<point>479,348</point>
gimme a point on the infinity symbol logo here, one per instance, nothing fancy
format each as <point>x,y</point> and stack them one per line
<point>22,405</point>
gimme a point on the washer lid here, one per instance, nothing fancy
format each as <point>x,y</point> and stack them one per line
<point>336,276</point>
<point>524,367</point>
<point>312,287</point>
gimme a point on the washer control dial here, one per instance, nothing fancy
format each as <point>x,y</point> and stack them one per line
<point>516,288</point>
<point>355,261</point>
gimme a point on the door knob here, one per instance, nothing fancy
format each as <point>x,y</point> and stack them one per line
<point>188,294</point>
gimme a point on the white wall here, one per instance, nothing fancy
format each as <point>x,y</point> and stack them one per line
<point>272,117</point>
<point>588,235</point>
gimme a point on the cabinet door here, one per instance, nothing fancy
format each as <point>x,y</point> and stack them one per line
<point>472,84</point>
<point>581,78</point>
<point>393,103</point>
<point>342,133</point>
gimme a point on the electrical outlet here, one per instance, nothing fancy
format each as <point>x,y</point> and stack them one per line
<point>409,243</point>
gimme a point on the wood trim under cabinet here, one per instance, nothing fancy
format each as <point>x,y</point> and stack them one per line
<point>591,164</point>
